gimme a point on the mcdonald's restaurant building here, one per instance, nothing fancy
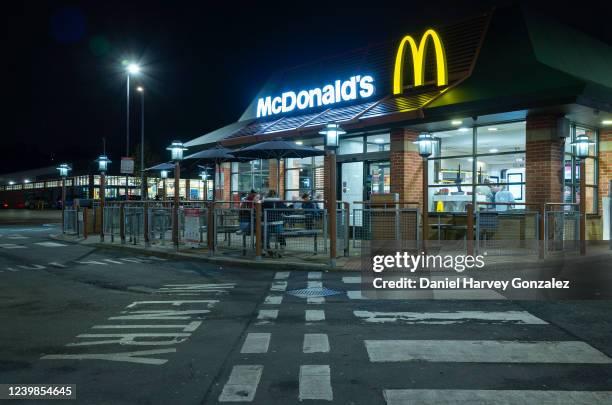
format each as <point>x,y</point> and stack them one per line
<point>504,94</point>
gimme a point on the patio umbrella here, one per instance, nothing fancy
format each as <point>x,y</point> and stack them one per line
<point>214,157</point>
<point>277,149</point>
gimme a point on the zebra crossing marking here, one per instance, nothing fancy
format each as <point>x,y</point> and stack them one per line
<point>49,244</point>
<point>267,315</point>
<point>256,343</point>
<point>315,382</point>
<point>509,397</point>
<point>17,237</point>
<point>484,351</point>
<point>315,300</point>
<point>279,286</point>
<point>351,280</point>
<point>314,275</point>
<point>315,343</point>
<point>11,246</point>
<point>281,275</point>
<point>273,300</point>
<point>242,384</point>
<point>450,317</point>
<point>315,315</point>
<point>315,284</point>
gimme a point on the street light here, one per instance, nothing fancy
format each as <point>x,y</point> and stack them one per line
<point>581,146</point>
<point>176,150</point>
<point>332,133</point>
<point>103,162</point>
<point>425,145</point>
<point>203,176</point>
<point>131,69</point>
<point>163,175</point>
<point>63,171</point>
<point>143,186</point>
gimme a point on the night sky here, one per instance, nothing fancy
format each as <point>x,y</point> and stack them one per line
<point>64,85</point>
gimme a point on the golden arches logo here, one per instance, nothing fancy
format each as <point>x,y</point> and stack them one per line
<point>418,60</point>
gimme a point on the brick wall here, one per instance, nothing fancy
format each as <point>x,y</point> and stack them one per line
<point>223,194</point>
<point>543,160</point>
<point>406,165</point>
<point>605,164</point>
<point>273,175</point>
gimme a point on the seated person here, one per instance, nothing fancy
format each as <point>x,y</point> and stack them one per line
<point>274,217</point>
<point>503,196</point>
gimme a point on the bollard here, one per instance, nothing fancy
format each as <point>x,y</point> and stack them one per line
<point>470,229</point>
<point>258,243</point>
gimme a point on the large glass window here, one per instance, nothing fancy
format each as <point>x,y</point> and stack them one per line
<point>461,171</point>
<point>571,192</point>
<point>253,175</point>
<point>304,176</point>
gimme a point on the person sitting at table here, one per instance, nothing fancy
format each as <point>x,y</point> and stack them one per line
<point>295,204</point>
<point>244,215</point>
<point>503,196</point>
<point>307,204</point>
<point>273,205</point>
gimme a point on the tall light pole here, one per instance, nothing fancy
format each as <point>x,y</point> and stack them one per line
<point>203,176</point>
<point>63,171</point>
<point>176,149</point>
<point>425,144</point>
<point>163,175</point>
<point>143,186</point>
<point>581,149</point>
<point>103,162</point>
<point>332,134</point>
<point>132,69</point>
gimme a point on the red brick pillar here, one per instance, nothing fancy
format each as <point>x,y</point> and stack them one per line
<point>544,160</point>
<point>406,165</point>
<point>326,172</point>
<point>222,191</point>
<point>272,177</point>
<point>605,164</point>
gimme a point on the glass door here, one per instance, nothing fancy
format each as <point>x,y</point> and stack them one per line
<point>378,180</point>
<point>351,186</point>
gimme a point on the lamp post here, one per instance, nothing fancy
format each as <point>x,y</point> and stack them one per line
<point>581,149</point>
<point>131,69</point>
<point>332,133</point>
<point>143,186</point>
<point>63,171</point>
<point>163,175</point>
<point>176,149</point>
<point>203,176</point>
<point>425,145</point>
<point>103,162</point>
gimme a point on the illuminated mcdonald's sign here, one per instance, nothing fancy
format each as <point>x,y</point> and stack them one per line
<point>418,54</point>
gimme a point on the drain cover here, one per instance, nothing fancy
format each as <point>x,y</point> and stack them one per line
<point>313,292</point>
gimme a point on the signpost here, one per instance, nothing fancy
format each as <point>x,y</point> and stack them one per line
<point>192,227</point>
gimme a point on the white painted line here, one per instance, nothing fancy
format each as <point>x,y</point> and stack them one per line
<point>484,351</point>
<point>278,286</point>
<point>209,303</point>
<point>314,315</point>
<point>315,382</point>
<point>113,261</point>
<point>315,300</point>
<point>11,246</point>
<point>351,280</point>
<point>31,267</point>
<point>50,244</point>
<point>282,275</point>
<point>314,275</point>
<point>273,300</point>
<point>162,339</point>
<point>17,237</point>
<point>256,343</point>
<point>509,397</point>
<point>128,357</point>
<point>190,327</point>
<point>56,264</point>
<point>267,314</point>
<point>354,295</point>
<point>315,284</point>
<point>445,318</point>
<point>242,384</point>
<point>315,343</point>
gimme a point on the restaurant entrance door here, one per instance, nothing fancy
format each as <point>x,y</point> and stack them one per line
<point>359,180</point>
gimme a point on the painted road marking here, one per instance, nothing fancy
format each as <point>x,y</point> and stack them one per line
<point>17,237</point>
<point>278,286</point>
<point>510,397</point>
<point>354,295</point>
<point>190,327</point>
<point>161,339</point>
<point>315,382</point>
<point>210,303</point>
<point>273,300</point>
<point>128,357</point>
<point>484,351</point>
<point>314,275</point>
<point>31,267</point>
<point>195,289</point>
<point>49,244</point>
<point>11,246</point>
<point>159,314</point>
<point>315,284</point>
<point>55,264</point>
<point>256,343</point>
<point>315,315</point>
<point>445,318</point>
<point>435,294</point>
<point>315,343</point>
<point>351,280</point>
<point>315,300</point>
<point>267,315</point>
<point>281,275</point>
<point>242,384</point>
